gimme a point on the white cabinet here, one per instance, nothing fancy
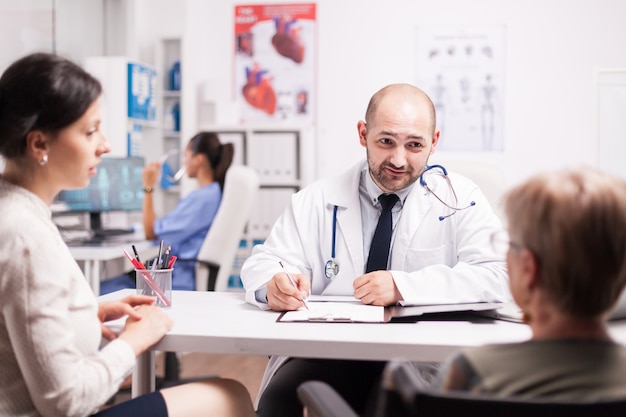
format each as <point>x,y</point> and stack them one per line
<point>283,157</point>
<point>130,118</point>
<point>128,103</point>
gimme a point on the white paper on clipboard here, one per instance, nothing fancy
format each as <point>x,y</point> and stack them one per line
<point>336,312</point>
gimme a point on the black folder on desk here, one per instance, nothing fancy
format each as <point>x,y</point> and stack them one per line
<point>419,310</point>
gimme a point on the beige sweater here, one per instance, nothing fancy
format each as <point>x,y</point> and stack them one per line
<point>51,363</point>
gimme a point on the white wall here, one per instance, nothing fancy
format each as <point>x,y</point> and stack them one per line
<point>552,47</point>
<point>79,28</point>
<point>71,27</point>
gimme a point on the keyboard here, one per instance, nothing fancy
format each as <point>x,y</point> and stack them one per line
<point>113,232</point>
<point>92,242</point>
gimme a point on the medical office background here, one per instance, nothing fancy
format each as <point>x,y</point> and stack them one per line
<point>561,82</point>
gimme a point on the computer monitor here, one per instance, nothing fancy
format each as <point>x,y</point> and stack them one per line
<point>117,186</point>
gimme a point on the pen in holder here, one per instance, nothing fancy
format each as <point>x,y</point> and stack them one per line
<point>156,283</point>
<point>162,289</point>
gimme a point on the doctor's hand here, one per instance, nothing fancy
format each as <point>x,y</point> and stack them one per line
<point>377,288</point>
<point>282,295</point>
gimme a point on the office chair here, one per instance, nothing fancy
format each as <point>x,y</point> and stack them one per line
<point>217,253</point>
<point>401,395</point>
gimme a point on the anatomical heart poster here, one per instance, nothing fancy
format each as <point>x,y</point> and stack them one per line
<point>275,62</point>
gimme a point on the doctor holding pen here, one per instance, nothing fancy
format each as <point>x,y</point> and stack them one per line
<point>437,224</point>
<point>57,357</point>
<point>206,159</point>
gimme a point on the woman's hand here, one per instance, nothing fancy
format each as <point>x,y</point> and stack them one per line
<point>146,327</point>
<point>112,310</point>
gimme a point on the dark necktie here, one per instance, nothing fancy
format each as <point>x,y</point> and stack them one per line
<point>379,250</point>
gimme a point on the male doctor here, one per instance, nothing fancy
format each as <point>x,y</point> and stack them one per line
<point>430,260</point>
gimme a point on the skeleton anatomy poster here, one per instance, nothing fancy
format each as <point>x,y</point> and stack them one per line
<point>275,56</point>
<point>462,70</point>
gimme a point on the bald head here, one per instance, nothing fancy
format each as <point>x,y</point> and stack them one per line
<point>397,93</point>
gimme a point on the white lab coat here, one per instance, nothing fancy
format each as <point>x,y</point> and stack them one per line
<point>432,261</point>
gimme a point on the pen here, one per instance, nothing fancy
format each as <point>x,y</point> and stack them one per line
<point>293,283</point>
<point>135,252</point>
<point>158,259</point>
<point>166,257</point>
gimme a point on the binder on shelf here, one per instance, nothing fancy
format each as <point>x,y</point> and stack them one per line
<point>141,92</point>
<point>234,280</point>
<point>129,107</point>
<point>274,155</point>
<point>271,203</point>
<point>135,140</point>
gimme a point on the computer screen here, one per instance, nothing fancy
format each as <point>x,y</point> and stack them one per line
<point>117,186</point>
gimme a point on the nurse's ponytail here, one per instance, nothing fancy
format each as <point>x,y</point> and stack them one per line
<point>219,155</point>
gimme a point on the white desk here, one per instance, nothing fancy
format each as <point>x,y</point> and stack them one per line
<point>222,322</point>
<point>93,256</point>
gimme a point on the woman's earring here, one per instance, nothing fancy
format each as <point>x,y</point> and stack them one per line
<point>44,160</point>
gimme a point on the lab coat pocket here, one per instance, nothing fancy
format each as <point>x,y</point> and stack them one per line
<point>418,258</point>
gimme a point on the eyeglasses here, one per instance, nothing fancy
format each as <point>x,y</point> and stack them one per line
<point>501,243</point>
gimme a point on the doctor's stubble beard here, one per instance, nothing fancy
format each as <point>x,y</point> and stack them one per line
<point>378,173</point>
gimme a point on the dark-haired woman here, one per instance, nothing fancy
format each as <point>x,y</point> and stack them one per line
<point>50,321</point>
<point>185,227</point>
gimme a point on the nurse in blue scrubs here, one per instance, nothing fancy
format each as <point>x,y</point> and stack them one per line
<point>206,159</point>
<point>184,228</point>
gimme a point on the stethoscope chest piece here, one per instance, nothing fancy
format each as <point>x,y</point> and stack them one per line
<point>331,269</point>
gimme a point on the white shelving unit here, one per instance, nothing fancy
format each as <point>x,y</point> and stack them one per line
<point>283,157</point>
<point>129,103</point>
<point>129,113</point>
<point>169,97</point>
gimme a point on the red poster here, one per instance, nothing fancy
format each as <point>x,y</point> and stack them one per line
<point>275,51</point>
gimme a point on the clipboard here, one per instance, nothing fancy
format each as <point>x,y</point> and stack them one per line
<point>356,312</point>
<point>336,312</point>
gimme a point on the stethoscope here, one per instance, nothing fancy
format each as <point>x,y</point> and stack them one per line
<point>456,201</point>
<point>331,268</point>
